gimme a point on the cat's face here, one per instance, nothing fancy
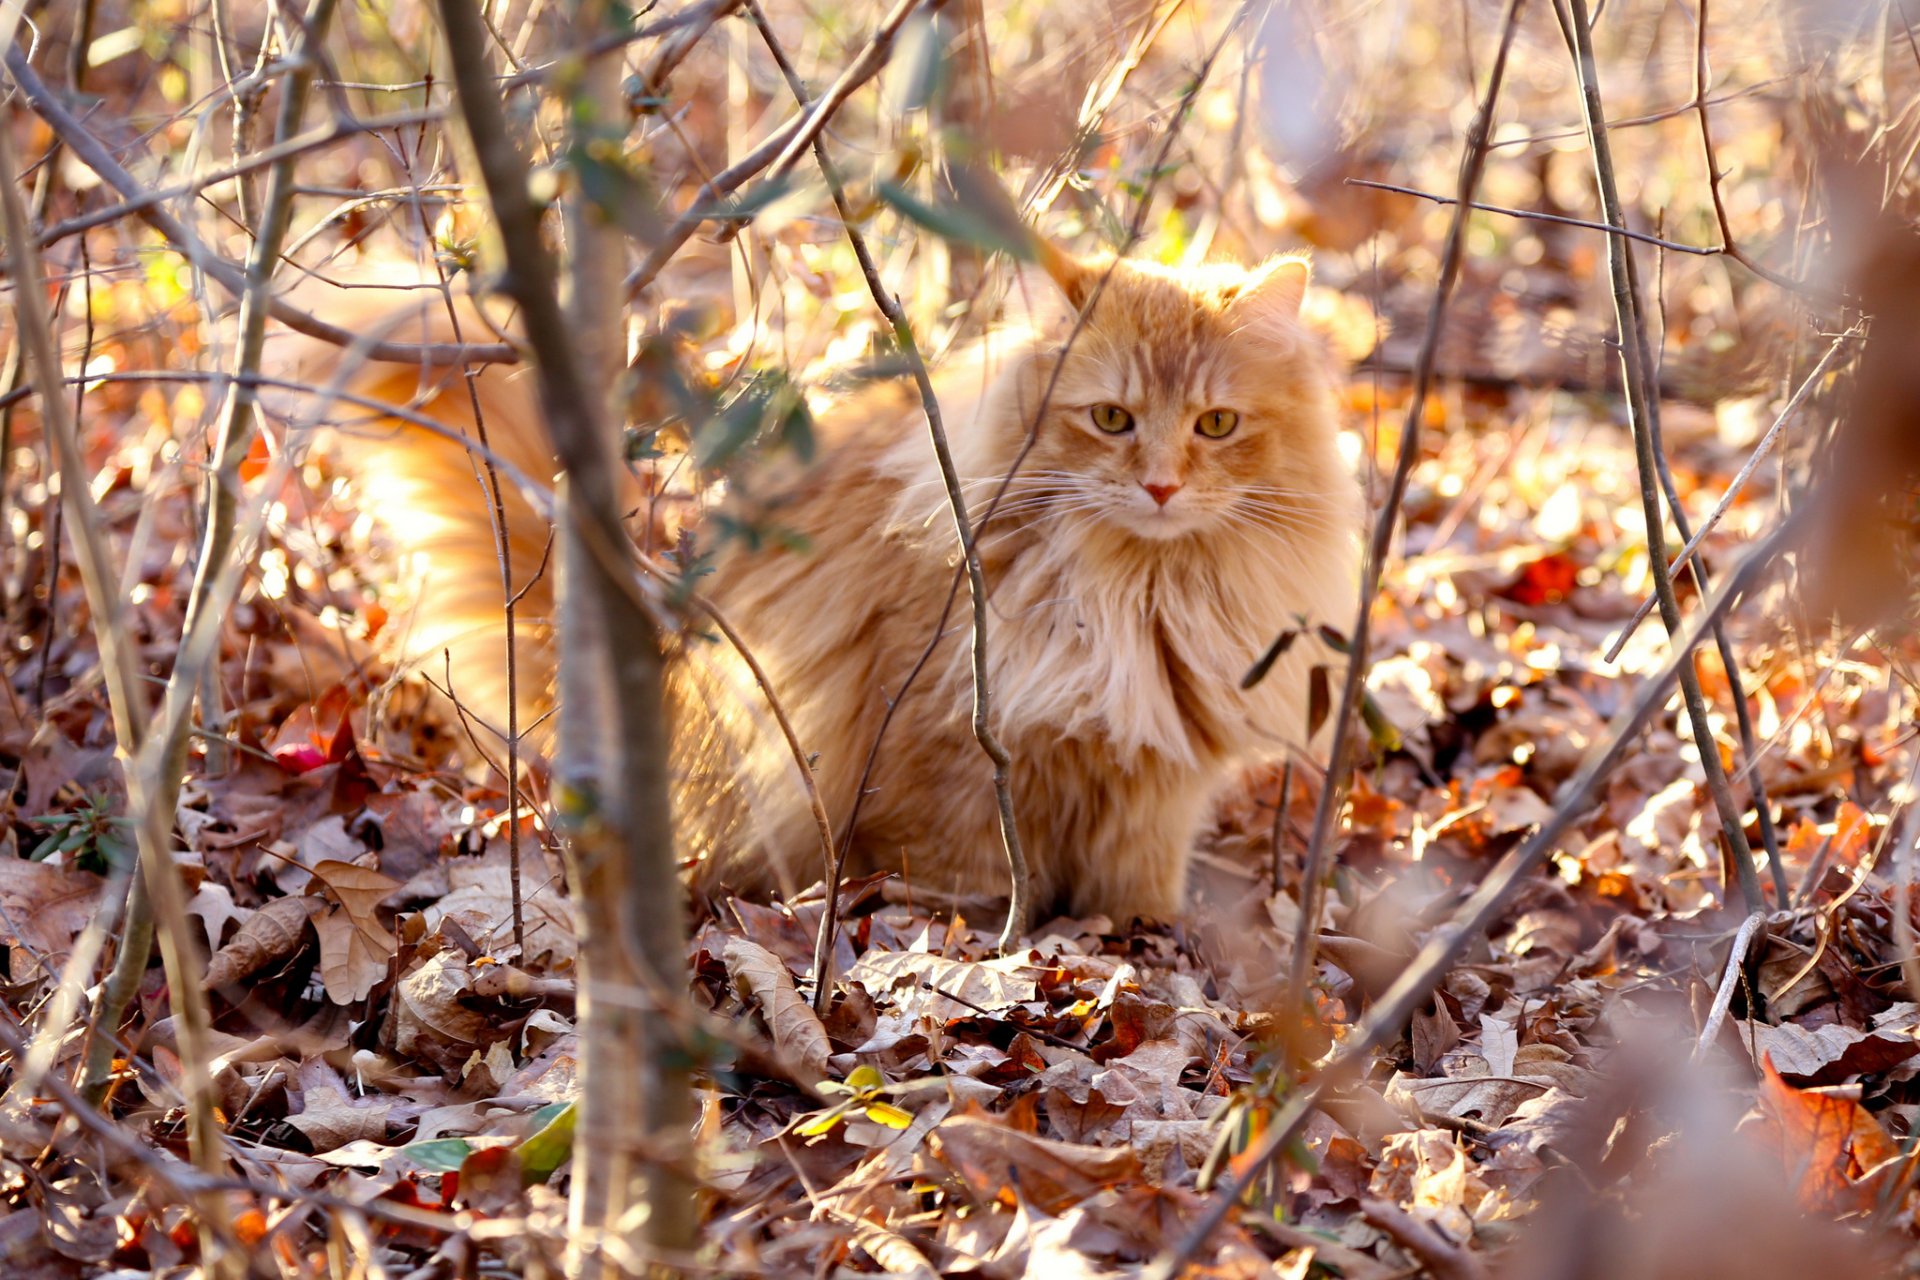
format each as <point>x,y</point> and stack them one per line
<point>1190,401</point>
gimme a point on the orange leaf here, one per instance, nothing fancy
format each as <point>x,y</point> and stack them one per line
<point>1833,1150</point>
<point>259,454</point>
<point>250,1227</point>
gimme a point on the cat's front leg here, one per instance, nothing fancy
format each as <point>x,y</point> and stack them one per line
<point>1133,862</point>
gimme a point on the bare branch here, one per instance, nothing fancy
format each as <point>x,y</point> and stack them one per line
<point>1631,331</point>
<point>1313,873</point>
<point>778,151</point>
<point>227,274</point>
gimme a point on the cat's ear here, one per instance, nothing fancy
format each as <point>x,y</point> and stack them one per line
<point>1275,287</point>
<point>1075,278</point>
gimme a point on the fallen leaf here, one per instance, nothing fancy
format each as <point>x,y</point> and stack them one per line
<point>273,933</point>
<point>797,1032</point>
<point>998,1162</point>
<point>354,946</point>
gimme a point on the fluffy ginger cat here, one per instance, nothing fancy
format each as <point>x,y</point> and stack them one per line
<point>1183,501</point>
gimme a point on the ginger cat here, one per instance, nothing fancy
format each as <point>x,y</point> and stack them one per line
<point>1184,500</point>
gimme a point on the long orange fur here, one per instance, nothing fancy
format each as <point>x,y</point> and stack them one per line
<point>1119,626</point>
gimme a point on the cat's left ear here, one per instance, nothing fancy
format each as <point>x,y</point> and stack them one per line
<point>1074,277</point>
<point>1275,287</point>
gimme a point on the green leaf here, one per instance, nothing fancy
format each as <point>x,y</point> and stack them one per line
<point>918,70</point>
<point>750,204</point>
<point>438,1155</point>
<point>1275,651</point>
<point>616,188</point>
<point>1384,733</point>
<point>549,1145</point>
<point>958,222</point>
<point>865,1079</point>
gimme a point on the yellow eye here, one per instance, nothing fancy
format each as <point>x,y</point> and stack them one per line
<point>1217,423</point>
<point>1112,419</point>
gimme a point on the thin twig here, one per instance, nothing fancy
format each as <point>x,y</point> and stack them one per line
<point>1723,997</point>
<point>1390,1012</point>
<point>612,761</point>
<point>237,417</point>
<point>1536,215</point>
<point>119,664</point>
<point>306,143</point>
<point>1729,660</point>
<point>822,823</point>
<point>1728,245</point>
<point>778,152</point>
<point>1720,508</point>
<point>229,275</point>
<point>1313,872</point>
<point>1651,117</point>
<point>1018,904</point>
<point>1631,332</point>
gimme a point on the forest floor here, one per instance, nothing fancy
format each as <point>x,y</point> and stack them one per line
<point>388,1051</point>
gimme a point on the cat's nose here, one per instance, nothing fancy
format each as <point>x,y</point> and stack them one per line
<point>1160,493</point>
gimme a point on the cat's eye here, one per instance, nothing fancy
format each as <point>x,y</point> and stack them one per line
<point>1216,424</point>
<point>1112,419</point>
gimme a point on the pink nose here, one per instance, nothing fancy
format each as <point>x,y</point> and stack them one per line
<point>1161,492</point>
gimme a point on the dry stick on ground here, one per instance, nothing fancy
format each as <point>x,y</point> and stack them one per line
<point>1389,1014</point>
<point>1018,905</point>
<point>1723,995</point>
<point>229,275</point>
<point>1313,874</point>
<point>778,151</point>
<point>119,664</point>
<point>1720,508</point>
<point>615,788</point>
<point>1631,333</point>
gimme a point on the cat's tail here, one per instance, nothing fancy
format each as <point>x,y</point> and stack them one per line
<point>415,441</point>
<point>456,467</point>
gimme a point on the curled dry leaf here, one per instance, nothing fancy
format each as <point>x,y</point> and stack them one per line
<point>1829,1054</point>
<point>896,1254</point>
<point>798,1034</point>
<point>427,1020</point>
<point>269,935</point>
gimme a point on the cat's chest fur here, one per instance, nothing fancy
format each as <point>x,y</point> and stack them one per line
<point>1141,648</point>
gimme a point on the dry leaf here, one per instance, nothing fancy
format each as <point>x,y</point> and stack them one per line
<point>354,946</point>
<point>797,1031</point>
<point>989,987</point>
<point>996,1161</point>
<point>1835,1151</point>
<point>267,936</point>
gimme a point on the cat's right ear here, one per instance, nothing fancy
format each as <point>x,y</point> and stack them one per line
<point>1075,278</point>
